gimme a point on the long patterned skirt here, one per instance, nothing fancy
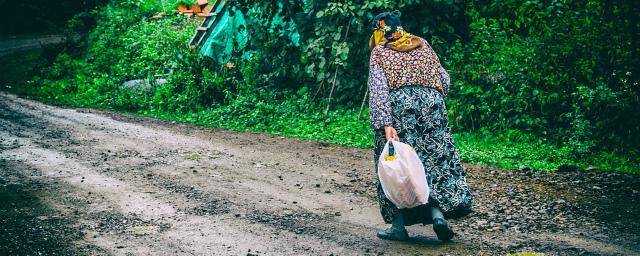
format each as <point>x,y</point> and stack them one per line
<point>420,118</point>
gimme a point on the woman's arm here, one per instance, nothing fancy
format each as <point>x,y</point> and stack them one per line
<point>379,99</point>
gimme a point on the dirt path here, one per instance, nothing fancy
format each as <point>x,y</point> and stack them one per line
<point>75,181</point>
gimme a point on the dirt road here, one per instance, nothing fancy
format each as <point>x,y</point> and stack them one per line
<point>90,182</point>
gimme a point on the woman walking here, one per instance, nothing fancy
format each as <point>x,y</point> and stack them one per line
<point>407,85</point>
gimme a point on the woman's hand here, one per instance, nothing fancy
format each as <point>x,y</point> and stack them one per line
<point>391,133</point>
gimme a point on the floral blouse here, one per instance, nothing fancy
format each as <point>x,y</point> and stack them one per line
<point>390,70</point>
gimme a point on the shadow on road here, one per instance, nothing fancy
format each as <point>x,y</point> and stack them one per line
<point>28,227</point>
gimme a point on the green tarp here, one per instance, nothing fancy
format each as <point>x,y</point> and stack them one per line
<point>229,32</point>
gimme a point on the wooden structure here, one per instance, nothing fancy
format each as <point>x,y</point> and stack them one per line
<point>210,21</point>
<point>201,8</point>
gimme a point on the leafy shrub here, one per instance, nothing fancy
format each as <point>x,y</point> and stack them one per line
<point>548,67</point>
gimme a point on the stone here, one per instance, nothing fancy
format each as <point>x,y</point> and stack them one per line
<point>143,84</point>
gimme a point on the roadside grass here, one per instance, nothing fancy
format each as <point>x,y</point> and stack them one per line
<point>509,150</point>
<point>529,151</point>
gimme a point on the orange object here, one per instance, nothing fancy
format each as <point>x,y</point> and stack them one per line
<point>202,14</point>
<point>182,7</point>
<point>195,8</point>
<point>202,2</point>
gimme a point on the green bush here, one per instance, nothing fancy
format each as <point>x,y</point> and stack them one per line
<point>548,67</point>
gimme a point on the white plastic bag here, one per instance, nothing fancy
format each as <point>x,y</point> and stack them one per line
<point>402,176</point>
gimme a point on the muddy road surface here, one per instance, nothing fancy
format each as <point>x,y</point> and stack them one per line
<point>92,182</point>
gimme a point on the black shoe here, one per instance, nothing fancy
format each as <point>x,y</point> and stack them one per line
<point>393,234</point>
<point>442,229</point>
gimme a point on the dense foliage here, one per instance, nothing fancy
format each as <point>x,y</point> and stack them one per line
<point>561,69</point>
<point>548,75</point>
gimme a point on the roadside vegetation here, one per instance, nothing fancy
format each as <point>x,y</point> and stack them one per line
<point>537,84</point>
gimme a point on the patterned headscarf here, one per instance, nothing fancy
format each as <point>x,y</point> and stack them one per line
<point>388,29</point>
<point>389,24</point>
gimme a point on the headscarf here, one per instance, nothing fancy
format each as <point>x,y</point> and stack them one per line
<point>388,29</point>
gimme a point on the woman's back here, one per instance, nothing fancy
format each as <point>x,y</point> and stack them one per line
<point>418,66</point>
